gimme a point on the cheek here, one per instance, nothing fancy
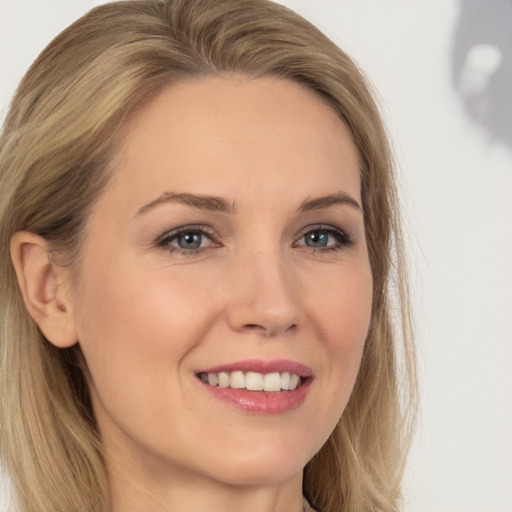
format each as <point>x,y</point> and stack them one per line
<point>343,319</point>
<point>344,308</point>
<point>135,330</point>
<point>134,326</point>
<point>133,317</point>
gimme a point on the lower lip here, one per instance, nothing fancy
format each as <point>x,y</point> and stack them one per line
<point>261,402</point>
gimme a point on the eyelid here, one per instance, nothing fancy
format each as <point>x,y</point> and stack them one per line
<point>344,238</point>
<point>163,241</point>
<point>186,228</point>
<point>320,227</point>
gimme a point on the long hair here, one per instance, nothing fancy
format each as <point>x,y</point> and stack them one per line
<point>60,135</point>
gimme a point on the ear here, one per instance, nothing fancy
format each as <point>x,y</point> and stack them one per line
<point>44,287</point>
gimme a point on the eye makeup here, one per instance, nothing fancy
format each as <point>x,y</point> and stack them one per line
<point>190,240</point>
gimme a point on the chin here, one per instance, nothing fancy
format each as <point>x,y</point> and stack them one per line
<point>241,475</point>
<point>262,466</point>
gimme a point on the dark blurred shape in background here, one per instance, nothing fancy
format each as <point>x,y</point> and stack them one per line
<point>482,65</point>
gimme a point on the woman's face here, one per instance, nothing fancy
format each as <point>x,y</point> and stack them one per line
<point>228,250</point>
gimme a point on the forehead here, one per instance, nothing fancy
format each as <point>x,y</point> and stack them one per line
<point>249,135</point>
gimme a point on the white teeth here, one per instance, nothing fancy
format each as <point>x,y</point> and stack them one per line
<point>253,381</point>
<point>237,380</point>
<point>294,381</point>
<point>285,380</point>
<point>223,380</point>
<point>272,382</point>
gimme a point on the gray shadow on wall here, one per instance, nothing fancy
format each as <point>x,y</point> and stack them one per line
<point>482,65</point>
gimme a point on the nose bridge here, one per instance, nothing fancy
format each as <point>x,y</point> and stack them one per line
<point>263,296</point>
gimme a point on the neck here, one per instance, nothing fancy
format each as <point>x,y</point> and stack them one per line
<point>134,489</point>
<point>190,495</point>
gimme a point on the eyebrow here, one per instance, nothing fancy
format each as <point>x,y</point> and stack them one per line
<point>326,201</point>
<point>219,204</point>
<point>210,203</point>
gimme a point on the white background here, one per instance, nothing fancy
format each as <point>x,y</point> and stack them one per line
<point>456,179</point>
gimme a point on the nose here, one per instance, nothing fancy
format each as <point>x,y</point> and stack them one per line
<point>263,296</point>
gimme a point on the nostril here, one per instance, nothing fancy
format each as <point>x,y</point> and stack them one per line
<point>268,331</point>
<point>254,327</point>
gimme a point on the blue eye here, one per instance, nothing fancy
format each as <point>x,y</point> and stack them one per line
<point>324,238</point>
<point>187,240</point>
<point>316,239</point>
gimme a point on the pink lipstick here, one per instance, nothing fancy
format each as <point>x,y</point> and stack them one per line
<point>257,386</point>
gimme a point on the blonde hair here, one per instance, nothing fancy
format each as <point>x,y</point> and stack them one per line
<point>59,136</point>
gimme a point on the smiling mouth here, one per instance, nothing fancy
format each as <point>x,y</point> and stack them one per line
<point>253,381</point>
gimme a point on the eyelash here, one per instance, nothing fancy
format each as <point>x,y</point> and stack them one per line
<point>343,240</point>
<point>165,240</point>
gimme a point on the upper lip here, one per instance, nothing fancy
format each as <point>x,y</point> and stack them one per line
<point>262,366</point>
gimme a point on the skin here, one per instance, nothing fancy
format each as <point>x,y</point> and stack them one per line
<point>148,315</point>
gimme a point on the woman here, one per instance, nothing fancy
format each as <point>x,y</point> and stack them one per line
<point>200,235</point>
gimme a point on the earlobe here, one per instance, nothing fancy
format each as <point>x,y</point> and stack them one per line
<point>40,282</point>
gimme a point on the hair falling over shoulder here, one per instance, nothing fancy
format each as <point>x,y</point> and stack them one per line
<point>56,152</point>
